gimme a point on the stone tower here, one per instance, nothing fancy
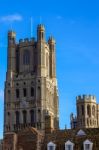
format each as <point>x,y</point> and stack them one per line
<point>87,116</point>
<point>31,91</point>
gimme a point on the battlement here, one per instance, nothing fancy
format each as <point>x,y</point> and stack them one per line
<point>26,40</point>
<point>86,98</point>
<point>40,27</point>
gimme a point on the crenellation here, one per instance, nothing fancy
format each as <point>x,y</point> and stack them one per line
<point>86,98</point>
<point>26,41</point>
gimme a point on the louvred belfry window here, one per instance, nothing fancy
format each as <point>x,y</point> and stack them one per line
<point>26,57</point>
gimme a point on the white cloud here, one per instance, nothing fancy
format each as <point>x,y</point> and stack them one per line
<point>11,18</point>
<point>1,94</point>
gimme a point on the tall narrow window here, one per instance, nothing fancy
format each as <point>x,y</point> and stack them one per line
<point>93,110</point>
<point>88,110</point>
<point>17,118</point>
<point>26,57</point>
<point>82,109</point>
<point>32,116</point>
<point>39,93</point>
<point>39,115</point>
<point>24,117</point>
<point>32,91</point>
<point>77,111</point>
<point>8,117</point>
<point>24,92</point>
<point>9,94</point>
<point>17,93</point>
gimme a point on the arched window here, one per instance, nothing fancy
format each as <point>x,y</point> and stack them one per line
<point>93,110</point>
<point>77,111</point>
<point>32,114</point>
<point>88,110</point>
<point>24,116</point>
<point>24,92</point>
<point>39,115</point>
<point>17,93</point>
<point>26,57</point>
<point>32,91</point>
<point>8,117</point>
<point>82,109</point>
<point>17,118</point>
<point>9,94</point>
<point>39,92</point>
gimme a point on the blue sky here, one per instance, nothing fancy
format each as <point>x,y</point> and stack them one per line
<point>75,26</point>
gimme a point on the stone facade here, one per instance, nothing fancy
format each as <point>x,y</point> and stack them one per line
<point>87,113</point>
<point>31,90</point>
<point>31,120</point>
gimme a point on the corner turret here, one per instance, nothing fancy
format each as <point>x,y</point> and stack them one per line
<point>52,43</point>
<point>40,33</point>
<point>11,38</point>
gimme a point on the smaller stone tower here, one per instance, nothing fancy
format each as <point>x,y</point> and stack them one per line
<point>86,111</point>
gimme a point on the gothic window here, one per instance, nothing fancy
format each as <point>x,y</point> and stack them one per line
<point>32,91</point>
<point>32,116</point>
<point>24,117</point>
<point>82,109</point>
<point>24,92</point>
<point>26,57</point>
<point>93,110</point>
<point>9,93</point>
<point>77,111</point>
<point>17,93</point>
<point>39,115</point>
<point>39,92</point>
<point>17,118</point>
<point>88,110</point>
<point>8,117</point>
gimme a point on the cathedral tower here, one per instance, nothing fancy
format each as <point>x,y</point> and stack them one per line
<point>31,91</point>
